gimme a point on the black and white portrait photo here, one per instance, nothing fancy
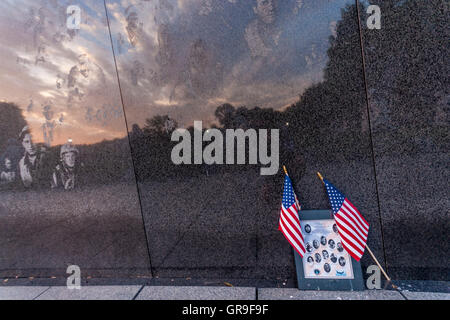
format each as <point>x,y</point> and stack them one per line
<point>307,228</point>
<point>326,257</point>
<point>316,244</point>
<point>331,244</point>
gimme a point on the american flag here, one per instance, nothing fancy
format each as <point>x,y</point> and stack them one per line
<point>289,223</point>
<point>353,228</point>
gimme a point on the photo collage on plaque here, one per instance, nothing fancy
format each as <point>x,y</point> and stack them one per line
<point>325,256</point>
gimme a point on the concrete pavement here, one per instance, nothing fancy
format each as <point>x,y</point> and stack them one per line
<point>143,292</point>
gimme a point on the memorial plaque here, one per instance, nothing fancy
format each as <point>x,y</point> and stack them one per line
<point>326,265</point>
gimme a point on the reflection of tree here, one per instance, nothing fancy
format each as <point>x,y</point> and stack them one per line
<point>159,126</point>
<point>332,113</point>
<point>12,122</point>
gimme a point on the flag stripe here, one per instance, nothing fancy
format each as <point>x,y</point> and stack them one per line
<point>351,244</point>
<point>295,231</point>
<point>292,218</point>
<point>360,217</point>
<point>351,223</point>
<point>301,251</point>
<point>353,228</point>
<point>355,254</point>
<point>293,237</point>
<point>289,223</point>
<point>349,234</point>
<point>354,215</point>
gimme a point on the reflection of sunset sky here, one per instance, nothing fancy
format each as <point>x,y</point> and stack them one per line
<point>189,57</point>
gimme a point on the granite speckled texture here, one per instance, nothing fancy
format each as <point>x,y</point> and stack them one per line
<point>294,294</point>
<point>90,293</point>
<point>62,84</point>
<point>408,87</point>
<point>21,292</point>
<point>221,220</point>
<point>380,134</point>
<point>196,293</point>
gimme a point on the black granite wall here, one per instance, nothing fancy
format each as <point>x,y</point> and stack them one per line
<point>367,108</point>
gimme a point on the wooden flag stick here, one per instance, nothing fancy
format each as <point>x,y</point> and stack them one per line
<point>368,250</point>
<point>296,200</point>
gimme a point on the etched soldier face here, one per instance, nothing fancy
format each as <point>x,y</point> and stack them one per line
<point>266,10</point>
<point>28,145</point>
<point>48,113</point>
<point>8,164</point>
<point>70,158</point>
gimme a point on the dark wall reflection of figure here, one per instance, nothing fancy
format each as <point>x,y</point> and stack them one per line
<point>9,161</point>
<point>32,167</point>
<point>261,34</point>
<point>8,173</point>
<point>67,172</point>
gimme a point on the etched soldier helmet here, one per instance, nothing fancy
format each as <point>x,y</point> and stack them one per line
<point>68,147</point>
<point>25,130</point>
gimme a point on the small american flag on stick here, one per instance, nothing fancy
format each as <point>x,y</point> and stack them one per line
<point>289,223</point>
<point>353,228</point>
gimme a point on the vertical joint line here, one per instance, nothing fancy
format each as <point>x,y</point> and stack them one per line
<point>363,60</point>
<point>128,136</point>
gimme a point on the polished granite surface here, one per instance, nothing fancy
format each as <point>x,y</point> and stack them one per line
<point>68,192</point>
<point>408,90</point>
<point>149,67</point>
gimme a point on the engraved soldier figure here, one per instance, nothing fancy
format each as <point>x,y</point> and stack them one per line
<point>66,173</point>
<point>32,169</point>
<point>8,174</point>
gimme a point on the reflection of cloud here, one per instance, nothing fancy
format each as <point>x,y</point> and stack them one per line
<point>172,59</point>
<point>202,53</point>
<point>37,54</point>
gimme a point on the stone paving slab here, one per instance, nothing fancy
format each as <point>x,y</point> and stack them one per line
<point>91,293</point>
<point>426,295</point>
<point>197,293</point>
<point>295,294</point>
<point>128,292</point>
<point>21,292</point>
